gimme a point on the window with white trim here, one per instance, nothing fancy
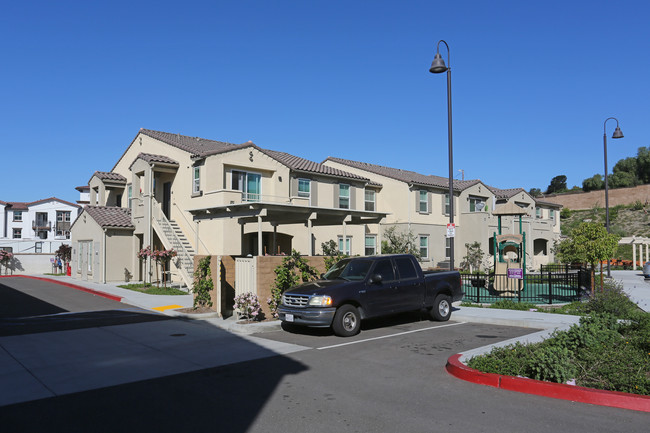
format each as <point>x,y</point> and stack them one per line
<point>344,196</point>
<point>538,213</point>
<point>369,199</point>
<point>424,201</point>
<point>304,188</point>
<point>129,196</point>
<point>346,249</point>
<point>447,248</point>
<point>196,180</point>
<point>371,245</point>
<point>17,233</point>
<point>38,247</point>
<point>424,247</point>
<point>447,204</point>
<point>476,204</point>
<point>250,184</point>
<point>18,215</point>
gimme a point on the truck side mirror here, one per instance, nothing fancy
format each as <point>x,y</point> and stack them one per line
<point>376,278</point>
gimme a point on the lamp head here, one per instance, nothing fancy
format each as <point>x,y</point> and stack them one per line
<point>617,133</point>
<point>438,65</point>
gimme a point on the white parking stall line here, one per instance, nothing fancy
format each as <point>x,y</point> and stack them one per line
<point>391,335</point>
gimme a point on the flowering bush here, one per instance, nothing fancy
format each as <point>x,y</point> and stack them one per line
<point>248,306</point>
<point>159,256</point>
<point>5,256</point>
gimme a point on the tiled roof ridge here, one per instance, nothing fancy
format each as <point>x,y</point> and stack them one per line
<point>31,203</point>
<point>110,216</point>
<point>302,164</point>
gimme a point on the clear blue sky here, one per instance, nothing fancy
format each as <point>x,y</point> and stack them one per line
<point>532,84</point>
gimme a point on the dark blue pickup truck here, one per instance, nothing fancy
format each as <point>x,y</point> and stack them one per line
<point>363,287</point>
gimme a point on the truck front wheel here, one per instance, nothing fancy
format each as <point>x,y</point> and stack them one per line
<point>441,310</point>
<point>347,321</point>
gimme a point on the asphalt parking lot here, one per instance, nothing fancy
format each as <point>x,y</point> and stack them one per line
<point>177,375</point>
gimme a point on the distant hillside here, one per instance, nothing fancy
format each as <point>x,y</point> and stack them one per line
<point>623,220</point>
<point>589,200</point>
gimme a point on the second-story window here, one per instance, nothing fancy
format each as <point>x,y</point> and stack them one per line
<point>446,204</point>
<point>369,200</point>
<point>250,184</point>
<point>551,214</point>
<point>538,212</point>
<point>196,181</point>
<point>423,200</point>
<point>476,204</point>
<point>304,188</point>
<point>344,196</point>
<point>18,215</point>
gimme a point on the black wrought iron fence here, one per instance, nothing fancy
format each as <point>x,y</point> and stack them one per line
<point>537,288</point>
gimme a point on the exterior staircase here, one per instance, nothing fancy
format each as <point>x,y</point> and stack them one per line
<point>172,236</point>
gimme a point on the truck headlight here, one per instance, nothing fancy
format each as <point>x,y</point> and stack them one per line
<point>320,301</point>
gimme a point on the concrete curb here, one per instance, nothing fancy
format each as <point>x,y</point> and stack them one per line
<point>72,286</point>
<point>560,391</point>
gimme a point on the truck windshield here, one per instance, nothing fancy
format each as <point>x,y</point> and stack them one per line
<point>349,269</point>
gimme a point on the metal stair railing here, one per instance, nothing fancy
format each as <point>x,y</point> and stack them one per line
<point>170,239</point>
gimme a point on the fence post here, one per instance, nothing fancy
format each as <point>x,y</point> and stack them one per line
<point>550,289</point>
<point>478,295</point>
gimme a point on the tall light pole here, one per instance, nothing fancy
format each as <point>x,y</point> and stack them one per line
<point>617,134</point>
<point>438,67</point>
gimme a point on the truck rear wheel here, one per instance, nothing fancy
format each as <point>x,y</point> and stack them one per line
<point>441,310</point>
<point>347,321</point>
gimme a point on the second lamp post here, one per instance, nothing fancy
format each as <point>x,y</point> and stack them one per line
<point>437,67</point>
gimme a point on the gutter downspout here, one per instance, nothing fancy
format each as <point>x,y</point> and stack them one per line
<point>104,259</point>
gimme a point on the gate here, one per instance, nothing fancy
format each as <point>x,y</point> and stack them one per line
<point>245,275</point>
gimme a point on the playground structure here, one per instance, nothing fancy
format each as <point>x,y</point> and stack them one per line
<point>510,253</point>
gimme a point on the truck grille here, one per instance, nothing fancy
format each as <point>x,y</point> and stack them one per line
<point>296,300</point>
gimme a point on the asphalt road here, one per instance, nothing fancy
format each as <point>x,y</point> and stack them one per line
<point>389,378</point>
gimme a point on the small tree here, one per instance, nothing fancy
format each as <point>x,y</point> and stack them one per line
<point>588,243</point>
<point>203,284</point>
<point>332,253</point>
<point>400,242</point>
<point>293,270</point>
<point>64,252</point>
<point>474,258</point>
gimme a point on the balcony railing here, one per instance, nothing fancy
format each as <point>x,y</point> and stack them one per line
<point>41,225</point>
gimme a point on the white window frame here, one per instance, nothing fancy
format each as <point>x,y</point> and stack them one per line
<point>447,207</point>
<point>425,238</point>
<point>551,214</point>
<point>90,256</point>
<point>242,180</point>
<point>344,198</point>
<point>38,247</point>
<point>473,201</point>
<point>348,242</point>
<point>19,231</point>
<point>304,194</point>
<point>129,193</point>
<point>196,180</point>
<point>18,215</point>
<point>370,205</point>
<point>373,246</point>
<point>447,247</point>
<point>424,193</point>
<point>539,213</point>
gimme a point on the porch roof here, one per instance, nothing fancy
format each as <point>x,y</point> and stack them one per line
<point>279,213</point>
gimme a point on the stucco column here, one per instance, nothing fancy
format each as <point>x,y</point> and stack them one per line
<point>634,257</point>
<point>259,236</point>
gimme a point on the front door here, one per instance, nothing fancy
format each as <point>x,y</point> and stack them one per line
<point>167,198</point>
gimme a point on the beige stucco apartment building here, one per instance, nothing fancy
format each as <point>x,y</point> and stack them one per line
<point>209,197</point>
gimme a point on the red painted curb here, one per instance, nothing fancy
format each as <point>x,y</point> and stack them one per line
<point>560,391</point>
<point>73,286</point>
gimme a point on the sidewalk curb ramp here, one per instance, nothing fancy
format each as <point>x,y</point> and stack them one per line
<point>560,391</point>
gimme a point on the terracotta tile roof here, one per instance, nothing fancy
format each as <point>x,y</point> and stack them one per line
<point>506,193</point>
<point>196,146</point>
<point>17,205</point>
<point>53,199</point>
<point>110,216</point>
<point>406,175</point>
<point>300,164</point>
<point>150,158</point>
<point>201,147</point>
<point>113,177</point>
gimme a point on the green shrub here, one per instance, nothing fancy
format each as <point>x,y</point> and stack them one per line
<point>508,304</point>
<point>611,300</point>
<point>203,284</point>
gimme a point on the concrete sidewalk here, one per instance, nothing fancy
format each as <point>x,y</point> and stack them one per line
<point>633,283</point>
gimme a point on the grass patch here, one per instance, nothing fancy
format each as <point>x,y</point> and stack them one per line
<point>609,349</point>
<point>153,290</point>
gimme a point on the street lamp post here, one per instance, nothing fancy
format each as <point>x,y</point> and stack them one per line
<point>617,134</point>
<point>438,67</point>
